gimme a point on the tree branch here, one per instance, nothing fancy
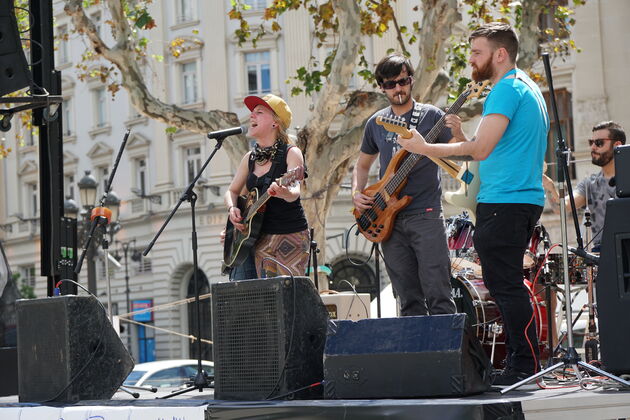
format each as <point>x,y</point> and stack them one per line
<point>438,21</point>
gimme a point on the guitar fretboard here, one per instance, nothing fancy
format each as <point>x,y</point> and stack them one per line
<point>410,161</point>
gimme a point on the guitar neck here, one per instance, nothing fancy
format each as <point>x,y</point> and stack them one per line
<point>253,209</point>
<point>413,158</point>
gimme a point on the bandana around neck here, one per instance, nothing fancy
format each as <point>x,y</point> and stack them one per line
<point>263,154</point>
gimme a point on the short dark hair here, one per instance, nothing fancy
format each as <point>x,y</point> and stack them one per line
<point>500,35</point>
<point>391,66</point>
<point>615,131</point>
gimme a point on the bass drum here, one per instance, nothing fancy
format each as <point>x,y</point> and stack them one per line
<point>473,298</point>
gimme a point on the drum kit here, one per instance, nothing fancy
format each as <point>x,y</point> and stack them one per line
<point>542,277</point>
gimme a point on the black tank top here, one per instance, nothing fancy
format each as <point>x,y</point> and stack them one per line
<point>281,217</point>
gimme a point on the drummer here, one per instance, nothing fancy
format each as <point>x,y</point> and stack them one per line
<point>596,187</point>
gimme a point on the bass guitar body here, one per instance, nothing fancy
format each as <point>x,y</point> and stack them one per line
<point>377,223</point>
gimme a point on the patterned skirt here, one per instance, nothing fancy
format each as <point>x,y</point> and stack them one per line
<point>274,252</point>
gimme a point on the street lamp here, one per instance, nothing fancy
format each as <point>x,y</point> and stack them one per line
<point>87,190</point>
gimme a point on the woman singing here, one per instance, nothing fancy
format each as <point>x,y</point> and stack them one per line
<point>284,234</point>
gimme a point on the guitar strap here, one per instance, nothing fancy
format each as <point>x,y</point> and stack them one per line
<point>417,115</point>
<point>275,171</point>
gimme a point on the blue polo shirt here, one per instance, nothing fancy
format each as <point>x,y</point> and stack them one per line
<point>513,171</point>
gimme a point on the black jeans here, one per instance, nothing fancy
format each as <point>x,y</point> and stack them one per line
<point>501,236</point>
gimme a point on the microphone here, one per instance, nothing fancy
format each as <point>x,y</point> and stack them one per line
<point>227,132</point>
<point>588,257</point>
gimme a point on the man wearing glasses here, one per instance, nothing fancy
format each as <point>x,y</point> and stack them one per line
<point>510,143</point>
<point>416,253</point>
<point>597,187</point>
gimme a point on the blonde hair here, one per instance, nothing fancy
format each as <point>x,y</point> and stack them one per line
<point>282,131</point>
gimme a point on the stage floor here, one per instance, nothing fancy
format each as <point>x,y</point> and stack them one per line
<point>562,403</point>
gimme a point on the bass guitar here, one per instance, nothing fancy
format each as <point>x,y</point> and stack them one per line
<point>238,244</point>
<point>376,223</point>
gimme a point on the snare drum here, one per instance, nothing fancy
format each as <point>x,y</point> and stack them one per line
<point>459,231</point>
<point>473,298</point>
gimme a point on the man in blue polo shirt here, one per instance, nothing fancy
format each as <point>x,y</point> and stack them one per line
<point>510,142</point>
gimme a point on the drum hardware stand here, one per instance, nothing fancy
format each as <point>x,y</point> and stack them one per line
<point>495,329</point>
<point>591,345</point>
<point>571,357</point>
<point>314,250</point>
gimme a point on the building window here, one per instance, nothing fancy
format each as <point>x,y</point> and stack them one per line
<point>63,48</point>
<point>100,110</point>
<point>145,265</point>
<point>103,177</point>
<point>32,203</point>
<point>96,20</point>
<point>193,162</point>
<point>27,273</point>
<point>565,113</point>
<point>68,186</point>
<point>256,5</point>
<point>258,73</point>
<point>141,175</point>
<point>189,82</point>
<point>67,116</point>
<point>186,11</point>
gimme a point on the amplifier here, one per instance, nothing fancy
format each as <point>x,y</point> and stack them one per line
<point>353,306</point>
<point>622,170</point>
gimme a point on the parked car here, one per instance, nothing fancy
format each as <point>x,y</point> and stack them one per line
<point>167,373</point>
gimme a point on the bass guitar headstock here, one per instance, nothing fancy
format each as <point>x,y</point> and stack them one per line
<point>475,89</point>
<point>395,125</point>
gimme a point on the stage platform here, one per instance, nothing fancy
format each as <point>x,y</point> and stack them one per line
<point>549,404</point>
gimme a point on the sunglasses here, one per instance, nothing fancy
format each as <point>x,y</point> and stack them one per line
<point>391,84</point>
<point>597,142</point>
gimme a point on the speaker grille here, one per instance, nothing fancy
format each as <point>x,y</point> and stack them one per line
<point>248,343</point>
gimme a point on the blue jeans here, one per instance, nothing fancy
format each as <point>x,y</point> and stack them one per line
<point>245,271</point>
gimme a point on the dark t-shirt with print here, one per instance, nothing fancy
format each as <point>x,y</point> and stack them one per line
<point>424,179</point>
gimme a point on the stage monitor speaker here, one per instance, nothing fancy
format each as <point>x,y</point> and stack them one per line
<point>408,357</point>
<point>8,367</point>
<point>14,71</point>
<point>268,337</point>
<point>68,351</point>
<point>613,288</point>
<point>622,171</point>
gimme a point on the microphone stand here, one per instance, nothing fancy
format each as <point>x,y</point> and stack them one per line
<point>101,221</point>
<point>570,358</point>
<point>201,378</point>
<point>377,268</point>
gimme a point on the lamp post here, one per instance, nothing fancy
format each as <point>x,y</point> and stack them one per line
<point>87,191</point>
<point>125,246</point>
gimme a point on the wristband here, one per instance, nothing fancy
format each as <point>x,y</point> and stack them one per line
<point>230,208</point>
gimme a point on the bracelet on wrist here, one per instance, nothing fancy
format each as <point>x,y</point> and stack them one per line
<point>230,208</point>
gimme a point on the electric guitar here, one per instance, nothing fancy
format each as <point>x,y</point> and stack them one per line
<point>238,244</point>
<point>376,223</point>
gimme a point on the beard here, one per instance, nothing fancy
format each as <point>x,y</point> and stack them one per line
<point>485,72</point>
<point>602,159</point>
